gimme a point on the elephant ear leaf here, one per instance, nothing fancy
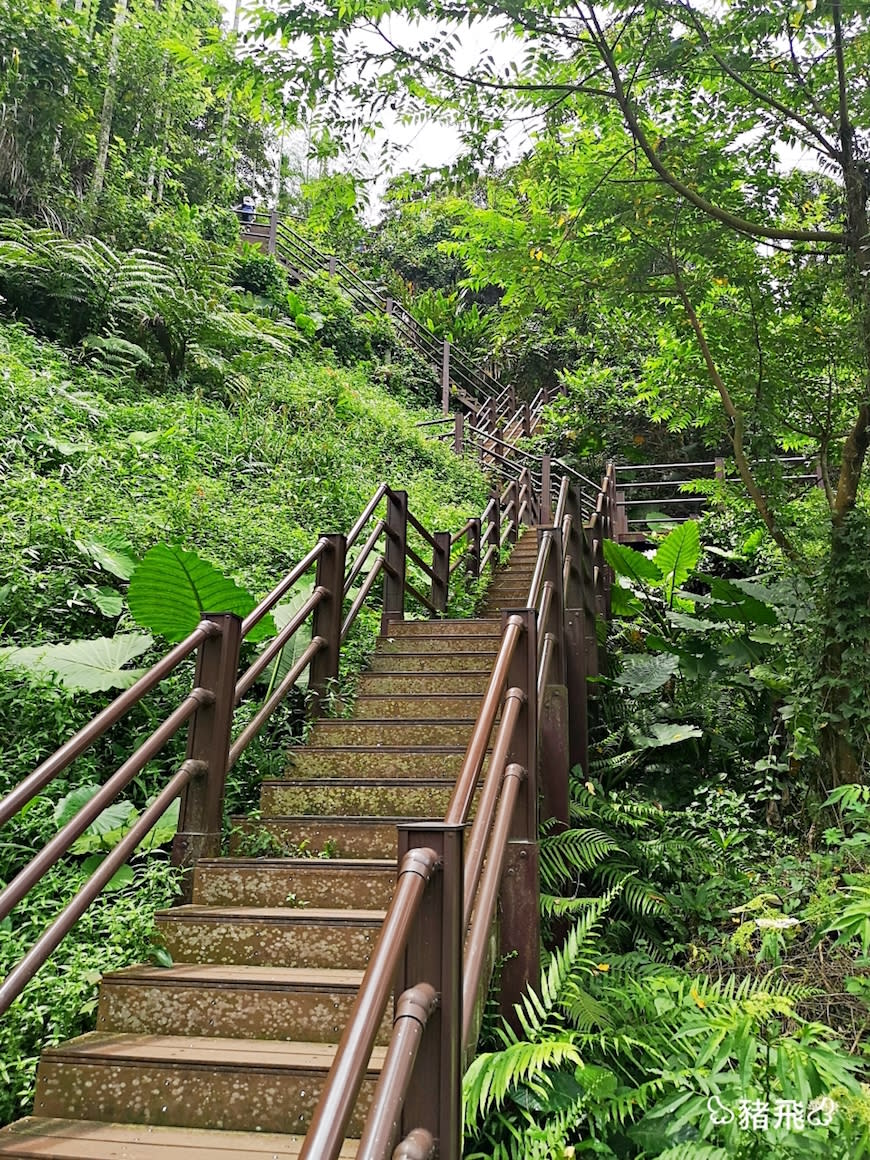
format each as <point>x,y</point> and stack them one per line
<point>626,561</point>
<point>83,665</point>
<point>646,674</point>
<point>678,556</point>
<point>172,588</point>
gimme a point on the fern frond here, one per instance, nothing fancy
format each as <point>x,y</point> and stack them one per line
<point>563,854</point>
<point>493,1075</point>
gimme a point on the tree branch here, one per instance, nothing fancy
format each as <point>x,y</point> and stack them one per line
<point>733,221</point>
<point>737,421</point>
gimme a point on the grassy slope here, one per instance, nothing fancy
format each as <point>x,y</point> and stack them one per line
<point>249,483</point>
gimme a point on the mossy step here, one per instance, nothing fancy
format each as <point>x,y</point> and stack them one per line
<point>338,837</point>
<point>437,628</point>
<point>403,684</point>
<point>456,643</point>
<point>44,1138</point>
<point>359,884</point>
<point>429,663</point>
<point>436,706</point>
<point>388,798</point>
<point>277,936</point>
<point>360,763</point>
<point>242,1085</point>
<point>231,1002</point>
<point>393,733</point>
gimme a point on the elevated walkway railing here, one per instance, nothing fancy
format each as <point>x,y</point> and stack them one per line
<point>652,494</point>
<point>436,941</point>
<point>460,379</point>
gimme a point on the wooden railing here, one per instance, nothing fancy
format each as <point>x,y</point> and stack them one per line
<point>435,947</point>
<point>461,381</point>
<point>387,543</point>
<point>651,494</point>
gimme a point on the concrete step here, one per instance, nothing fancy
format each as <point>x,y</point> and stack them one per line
<point>432,663</point>
<point>341,797</point>
<point>456,643</point>
<point>414,734</point>
<point>361,763</point>
<point>230,1002</point>
<point>417,706</point>
<point>241,1085</point>
<point>342,837</point>
<point>436,684</point>
<point>269,936</point>
<point>355,883</point>
<point>40,1138</point>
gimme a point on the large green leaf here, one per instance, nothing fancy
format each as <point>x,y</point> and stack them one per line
<point>172,588</point>
<point>646,674</point>
<point>626,561</point>
<point>84,665</point>
<point>731,602</point>
<point>113,554</point>
<point>678,555</point>
<point>663,734</point>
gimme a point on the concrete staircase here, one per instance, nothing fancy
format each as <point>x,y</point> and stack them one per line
<point>223,1055</point>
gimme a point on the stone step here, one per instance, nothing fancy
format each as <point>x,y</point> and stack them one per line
<point>400,629</point>
<point>415,734</point>
<point>241,1085</point>
<point>479,642</point>
<point>40,1138</point>
<point>417,706</point>
<point>403,684</point>
<point>355,883</point>
<point>231,1002</point>
<point>432,663</point>
<point>277,936</point>
<point>361,763</point>
<point>341,797</point>
<point>342,837</point>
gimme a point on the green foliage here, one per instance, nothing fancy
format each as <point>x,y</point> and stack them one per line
<point>89,665</point>
<point>171,589</point>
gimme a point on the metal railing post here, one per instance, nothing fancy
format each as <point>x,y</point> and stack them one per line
<point>553,698</point>
<point>445,378</point>
<point>546,489</point>
<point>495,536</point>
<point>514,497</point>
<point>545,395</point>
<point>272,243</point>
<point>520,928</point>
<point>332,265</point>
<point>327,617</point>
<point>394,558</point>
<point>441,570</point>
<point>200,819</point>
<point>581,651</point>
<point>434,955</point>
<point>527,421</point>
<point>512,399</point>
<point>458,432</point>
<point>474,548</point>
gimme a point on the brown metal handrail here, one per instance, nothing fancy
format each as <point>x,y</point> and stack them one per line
<point>329,1123</point>
<point>27,789</point>
<point>208,709</point>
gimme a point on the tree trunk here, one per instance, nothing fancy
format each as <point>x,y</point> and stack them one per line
<point>99,177</point>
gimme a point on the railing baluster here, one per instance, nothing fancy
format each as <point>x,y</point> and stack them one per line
<point>200,821</point>
<point>327,617</point>
<point>554,756</point>
<point>441,571</point>
<point>434,954</point>
<point>394,558</point>
<point>521,923</point>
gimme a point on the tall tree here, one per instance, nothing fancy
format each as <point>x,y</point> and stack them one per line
<point>664,126</point>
